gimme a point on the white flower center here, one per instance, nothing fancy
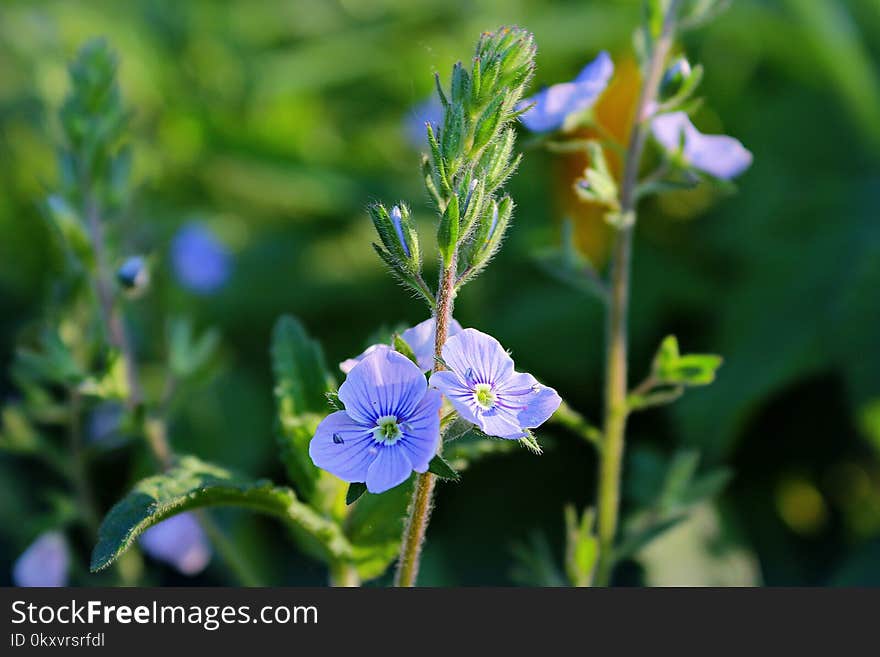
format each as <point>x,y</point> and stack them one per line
<point>484,396</point>
<point>387,430</point>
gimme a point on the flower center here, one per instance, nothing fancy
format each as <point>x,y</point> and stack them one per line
<point>387,430</point>
<point>484,396</point>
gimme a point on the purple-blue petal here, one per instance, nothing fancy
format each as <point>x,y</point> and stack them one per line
<point>421,431</point>
<point>383,383</point>
<point>551,106</point>
<point>537,402</point>
<point>477,357</point>
<point>390,468</point>
<point>457,392</point>
<point>420,339</point>
<point>180,542</point>
<point>45,562</point>
<point>347,365</point>
<point>718,155</point>
<point>343,447</point>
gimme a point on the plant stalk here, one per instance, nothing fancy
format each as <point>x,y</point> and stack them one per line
<point>420,506</point>
<point>616,411</point>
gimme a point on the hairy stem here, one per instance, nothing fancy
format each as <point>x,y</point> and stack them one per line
<point>111,317</point>
<point>611,456</point>
<point>420,506</point>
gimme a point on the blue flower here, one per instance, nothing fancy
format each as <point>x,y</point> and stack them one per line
<point>553,105</point>
<point>202,264</point>
<point>718,155</point>
<point>420,339</point>
<point>180,542</point>
<point>483,387</point>
<point>44,563</point>
<point>390,425</point>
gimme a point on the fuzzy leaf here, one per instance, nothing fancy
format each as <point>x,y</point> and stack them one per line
<point>193,484</point>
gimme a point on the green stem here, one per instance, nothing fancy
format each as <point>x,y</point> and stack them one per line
<point>420,506</point>
<point>611,456</point>
<point>85,495</point>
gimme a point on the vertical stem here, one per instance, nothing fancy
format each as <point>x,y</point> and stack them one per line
<point>112,319</point>
<point>420,507</point>
<point>616,411</point>
<point>85,495</point>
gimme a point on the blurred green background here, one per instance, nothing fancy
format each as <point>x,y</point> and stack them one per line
<point>275,123</point>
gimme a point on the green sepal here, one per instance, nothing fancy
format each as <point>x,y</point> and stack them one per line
<point>355,490</point>
<point>447,231</point>
<point>401,347</point>
<point>440,467</point>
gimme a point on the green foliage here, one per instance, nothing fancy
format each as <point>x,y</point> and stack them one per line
<point>671,373</point>
<point>582,546</point>
<point>569,266</point>
<point>666,492</point>
<point>193,484</point>
<point>472,155</point>
<point>301,385</point>
<point>187,354</point>
<point>441,467</point>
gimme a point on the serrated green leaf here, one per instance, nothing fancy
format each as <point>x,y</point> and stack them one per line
<point>301,376</point>
<point>302,386</point>
<point>193,484</point>
<point>440,467</point>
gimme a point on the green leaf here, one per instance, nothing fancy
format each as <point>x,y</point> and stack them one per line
<point>706,486</point>
<point>302,386</point>
<point>301,376</point>
<point>355,490</point>
<point>582,547</point>
<point>440,467</point>
<point>671,368</point>
<point>186,352</point>
<point>374,527</point>
<point>193,484</point>
<point>639,539</point>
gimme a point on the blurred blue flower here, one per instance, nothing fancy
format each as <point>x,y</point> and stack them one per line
<point>554,104</point>
<point>133,274</point>
<point>483,387</point>
<point>420,339</point>
<point>428,111</point>
<point>202,264</point>
<point>180,542</point>
<point>718,155</point>
<point>45,562</point>
<point>104,423</point>
<point>390,425</point>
